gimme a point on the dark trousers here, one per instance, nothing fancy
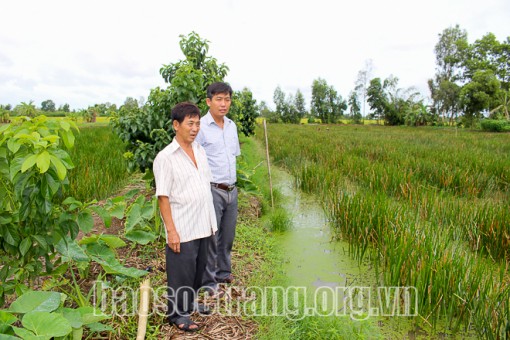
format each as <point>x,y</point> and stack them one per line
<point>219,264</point>
<point>184,273</point>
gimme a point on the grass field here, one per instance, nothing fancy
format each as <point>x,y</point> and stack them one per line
<point>100,168</point>
<point>428,206</point>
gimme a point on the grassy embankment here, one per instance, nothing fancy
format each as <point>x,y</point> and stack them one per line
<point>429,206</point>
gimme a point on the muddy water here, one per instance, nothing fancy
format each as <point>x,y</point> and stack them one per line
<point>315,259</point>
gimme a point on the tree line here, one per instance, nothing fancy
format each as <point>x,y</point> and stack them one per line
<point>471,82</point>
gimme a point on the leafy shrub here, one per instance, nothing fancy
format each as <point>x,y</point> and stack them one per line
<point>494,125</point>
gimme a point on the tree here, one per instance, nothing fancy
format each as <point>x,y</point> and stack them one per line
<point>48,106</point>
<point>376,98</point>
<point>354,107</point>
<point>362,82</point>
<point>477,95</point>
<point>299,104</point>
<point>326,104</point>
<point>190,77</point>
<point>64,108</point>
<point>147,129</point>
<point>245,110</point>
<point>451,51</point>
<point>279,101</point>
<point>26,109</point>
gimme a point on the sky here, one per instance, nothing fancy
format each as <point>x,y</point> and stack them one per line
<point>88,52</point>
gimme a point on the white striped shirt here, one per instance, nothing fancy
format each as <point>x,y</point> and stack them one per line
<point>221,146</point>
<point>188,189</point>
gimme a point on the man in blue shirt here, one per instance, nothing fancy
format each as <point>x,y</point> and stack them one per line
<point>218,136</point>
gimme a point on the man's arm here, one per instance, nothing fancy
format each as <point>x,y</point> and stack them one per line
<point>174,241</point>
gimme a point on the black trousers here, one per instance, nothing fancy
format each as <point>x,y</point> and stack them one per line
<point>184,273</point>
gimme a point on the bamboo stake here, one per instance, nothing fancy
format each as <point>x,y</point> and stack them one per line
<point>143,311</point>
<point>268,166</point>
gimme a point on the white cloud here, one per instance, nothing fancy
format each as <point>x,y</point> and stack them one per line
<point>85,52</point>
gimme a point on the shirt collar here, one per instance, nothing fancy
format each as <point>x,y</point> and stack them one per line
<point>174,146</point>
<point>208,119</point>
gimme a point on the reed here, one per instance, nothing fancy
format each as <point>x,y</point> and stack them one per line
<point>429,206</point>
<point>100,168</point>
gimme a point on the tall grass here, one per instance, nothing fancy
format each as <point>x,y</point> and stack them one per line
<point>430,206</point>
<point>100,169</point>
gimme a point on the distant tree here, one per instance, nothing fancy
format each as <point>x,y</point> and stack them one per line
<point>377,99</point>
<point>48,106</point>
<point>362,82</point>
<point>26,109</point>
<point>300,104</point>
<point>279,101</point>
<point>354,107</point>
<point>451,51</point>
<point>267,113</point>
<point>6,107</point>
<point>64,108</point>
<point>477,95</point>
<point>326,104</point>
<point>245,111</point>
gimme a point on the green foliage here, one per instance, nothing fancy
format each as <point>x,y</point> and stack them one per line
<point>147,129</point>
<point>42,315</point>
<point>26,109</point>
<point>33,174</point>
<point>493,125</point>
<point>101,169</point>
<point>244,111</point>
<point>326,104</point>
<point>429,208</point>
<point>48,106</point>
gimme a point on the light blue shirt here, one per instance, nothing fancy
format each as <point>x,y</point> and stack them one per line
<point>221,147</point>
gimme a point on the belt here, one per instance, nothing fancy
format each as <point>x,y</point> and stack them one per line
<point>222,186</point>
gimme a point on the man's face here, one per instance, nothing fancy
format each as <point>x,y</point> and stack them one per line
<point>219,104</point>
<point>188,129</point>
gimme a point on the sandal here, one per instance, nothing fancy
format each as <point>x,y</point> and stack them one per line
<point>184,323</point>
<point>202,309</point>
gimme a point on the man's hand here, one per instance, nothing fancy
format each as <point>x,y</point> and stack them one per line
<point>174,242</point>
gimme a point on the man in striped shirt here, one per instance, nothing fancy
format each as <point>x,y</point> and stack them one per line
<point>183,189</point>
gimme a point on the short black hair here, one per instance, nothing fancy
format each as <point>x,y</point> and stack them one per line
<point>218,87</point>
<point>183,110</point>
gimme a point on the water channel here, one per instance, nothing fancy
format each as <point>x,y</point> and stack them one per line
<point>315,260</point>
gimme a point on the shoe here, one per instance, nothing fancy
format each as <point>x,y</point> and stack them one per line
<point>228,279</point>
<point>213,293</point>
<point>184,323</point>
<point>202,309</point>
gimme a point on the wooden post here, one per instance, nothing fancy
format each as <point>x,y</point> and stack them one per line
<point>268,166</point>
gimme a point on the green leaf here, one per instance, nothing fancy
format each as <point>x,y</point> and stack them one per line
<point>10,234</point>
<point>106,258</point>
<point>73,316</point>
<point>8,337</point>
<point>77,333</point>
<point>140,236</point>
<point>133,217</point>
<point>27,335</point>
<point>70,250</point>
<point>59,166</point>
<point>65,125</point>
<point>91,315</point>
<point>46,324</point>
<point>99,327</point>
<point>105,216</point>
<point>68,138</point>
<point>85,221</point>
<point>13,145</point>
<point>43,161</point>
<point>112,241</point>
<point>25,246</point>
<point>7,318</point>
<point>28,163</point>
<point>36,301</point>
<point>118,211</point>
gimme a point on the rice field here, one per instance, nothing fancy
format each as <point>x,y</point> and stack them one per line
<point>429,207</point>
<point>100,168</point>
